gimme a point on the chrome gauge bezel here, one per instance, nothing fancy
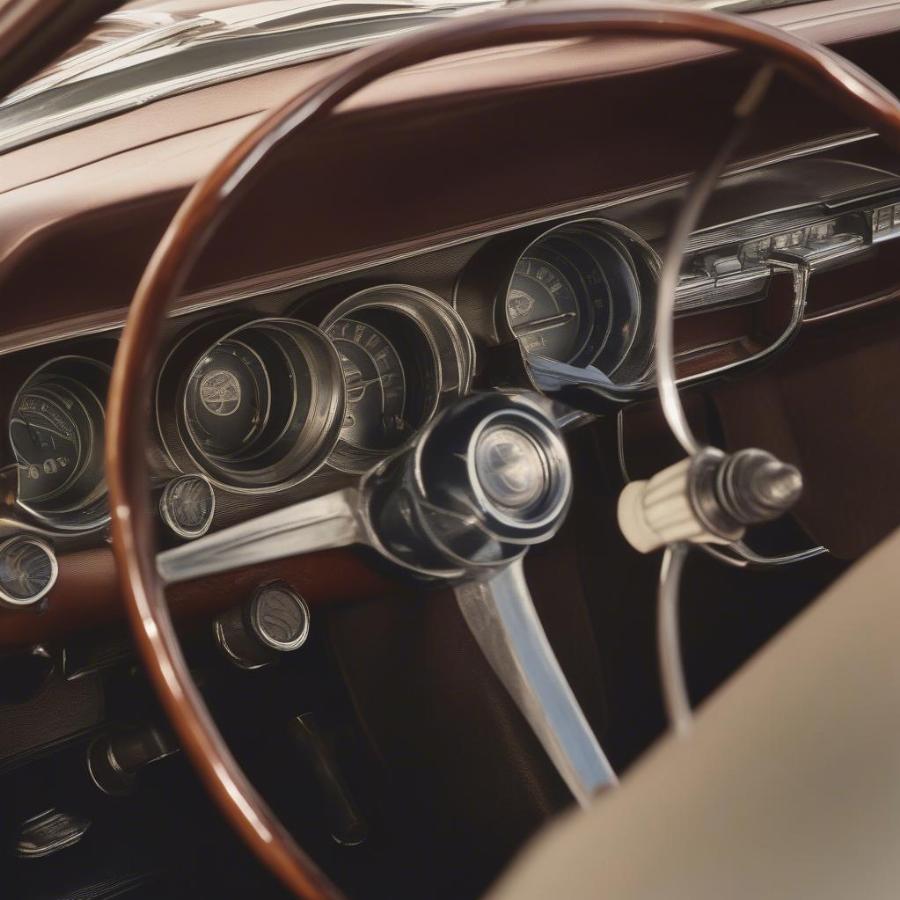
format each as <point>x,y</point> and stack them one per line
<point>630,368</point>
<point>167,507</point>
<point>303,443</point>
<point>6,599</point>
<point>90,511</point>
<point>440,328</point>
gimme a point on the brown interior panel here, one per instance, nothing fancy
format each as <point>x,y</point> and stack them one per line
<point>832,406</point>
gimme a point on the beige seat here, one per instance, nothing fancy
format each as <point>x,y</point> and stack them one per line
<point>788,787</point>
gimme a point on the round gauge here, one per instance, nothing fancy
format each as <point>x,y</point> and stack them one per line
<point>403,352</point>
<point>261,407</point>
<point>56,431</point>
<point>577,296</point>
<point>28,571</point>
<point>376,386</point>
<point>547,312</point>
<point>46,431</point>
<point>228,399</point>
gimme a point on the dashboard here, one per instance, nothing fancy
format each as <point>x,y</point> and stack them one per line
<point>488,254</point>
<point>266,399</point>
<point>493,222</point>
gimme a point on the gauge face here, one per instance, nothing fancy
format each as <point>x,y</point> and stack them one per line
<point>28,570</point>
<point>187,505</point>
<point>227,399</point>
<point>546,311</point>
<point>46,433</point>
<point>376,387</point>
<point>56,430</point>
<point>575,296</point>
<point>399,352</point>
<point>261,406</point>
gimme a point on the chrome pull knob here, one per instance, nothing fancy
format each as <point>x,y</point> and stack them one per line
<point>274,621</point>
<point>754,486</point>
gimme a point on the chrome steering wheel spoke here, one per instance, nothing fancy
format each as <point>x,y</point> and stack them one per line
<point>322,523</point>
<point>485,481</point>
<point>502,618</point>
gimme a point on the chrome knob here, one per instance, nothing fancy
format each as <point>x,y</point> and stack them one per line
<point>274,621</point>
<point>28,571</point>
<point>755,486</point>
<point>114,759</point>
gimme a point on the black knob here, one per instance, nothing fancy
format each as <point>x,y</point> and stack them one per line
<point>274,621</point>
<point>488,479</point>
<point>114,759</point>
<point>754,486</point>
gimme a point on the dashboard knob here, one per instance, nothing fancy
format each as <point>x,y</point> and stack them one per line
<point>28,571</point>
<point>754,486</point>
<point>275,620</point>
<point>114,759</point>
<point>187,505</point>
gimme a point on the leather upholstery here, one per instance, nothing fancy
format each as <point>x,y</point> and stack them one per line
<point>787,787</point>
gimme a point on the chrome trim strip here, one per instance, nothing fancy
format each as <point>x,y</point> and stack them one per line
<point>801,275</point>
<point>746,558</point>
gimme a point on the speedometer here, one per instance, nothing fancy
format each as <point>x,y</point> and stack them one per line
<point>582,294</point>
<point>547,311</point>
<point>403,351</point>
<point>376,386</point>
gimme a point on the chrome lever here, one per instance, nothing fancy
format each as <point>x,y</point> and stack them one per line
<point>501,615</point>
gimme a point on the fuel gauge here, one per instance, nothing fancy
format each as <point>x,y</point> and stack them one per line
<point>56,431</point>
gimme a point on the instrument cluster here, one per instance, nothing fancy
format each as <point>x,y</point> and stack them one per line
<point>258,396</point>
<point>252,404</point>
<point>261,404</point>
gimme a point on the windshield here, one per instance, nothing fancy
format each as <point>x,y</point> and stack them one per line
<point>152,49</point>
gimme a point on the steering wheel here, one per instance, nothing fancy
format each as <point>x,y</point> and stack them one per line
<point>481,484</point>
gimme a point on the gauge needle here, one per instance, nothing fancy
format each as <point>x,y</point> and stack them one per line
<point>544,324</point>
<point>50,431</point>
<point>33,431</point>
<point>362,385</point>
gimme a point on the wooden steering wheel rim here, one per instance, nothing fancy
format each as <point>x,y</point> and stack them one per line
<point>133,520</point>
